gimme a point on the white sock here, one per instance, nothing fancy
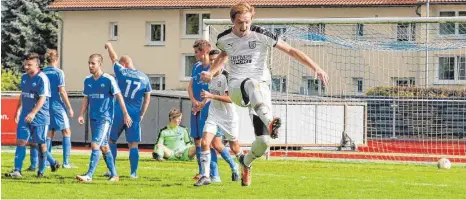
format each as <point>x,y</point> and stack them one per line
<point>258,148</point>
<point>253,89</point>
<point>205,162</point>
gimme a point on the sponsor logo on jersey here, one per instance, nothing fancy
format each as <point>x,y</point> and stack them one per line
<point>241,59</point>
<point>252,44</point>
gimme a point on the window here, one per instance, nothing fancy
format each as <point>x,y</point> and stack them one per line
<point>404,81</point>
<point>193,24</point>
<point>188,61</point>
<point>451,70</point>
<point>155,33</point>
<point>157,81</point>
<point>358,84</point>
<point>113,31</point>
<point>406,32</point>
<point>452,28</point>
<point>316,32</point>
<point>279,83</point>
<point>359,30</point>
<point>312,86</point>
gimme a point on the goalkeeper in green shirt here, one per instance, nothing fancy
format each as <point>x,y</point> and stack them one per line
<point>174,142</point>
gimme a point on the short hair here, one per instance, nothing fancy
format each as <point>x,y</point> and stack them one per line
<point>214,52</point>
<point>241,8</point>
<point>174,113</point>
<point>201,45</point>
<point>51,55</point>
<point>101,59</point>
<point>32,56</point>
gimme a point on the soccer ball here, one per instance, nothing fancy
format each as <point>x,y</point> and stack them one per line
<point>444,164</point>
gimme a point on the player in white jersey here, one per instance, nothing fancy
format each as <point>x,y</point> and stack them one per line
<point>246,46</point>
<point>222,115</point>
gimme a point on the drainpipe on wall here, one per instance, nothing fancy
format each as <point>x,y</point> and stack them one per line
<point>427,43</point>
<point>61,42</point>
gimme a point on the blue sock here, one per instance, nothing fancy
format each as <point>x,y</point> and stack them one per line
<point>66,150</point>
<point>42,159</point>
<point>50,158</point>
<point>20,153</point>
<point>34,156</point>
<point>134,160</point>
<point>113,149</point>
<point>95,157</point>
<point>213,163</point>
<point>110,163</point>
<point>198,157</point>
<point>227,157</point>
<point>49,144</point>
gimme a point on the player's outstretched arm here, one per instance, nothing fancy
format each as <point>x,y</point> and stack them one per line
<point>222,98</point>
<point>83,110</point>
<point>111,52</point>
<point>127,118</point>
<point>206,76</point>
<point>64,96</point>
<point>304,59</point>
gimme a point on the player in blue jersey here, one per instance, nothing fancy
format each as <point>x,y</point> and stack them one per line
<point>199,116</point>
<point>136,93</point>
<point>100,89</point>
<point>60,106</point>
<point>32,116</point>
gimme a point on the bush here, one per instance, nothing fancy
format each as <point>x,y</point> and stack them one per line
<point>415,92</point>
<point>10,80</point>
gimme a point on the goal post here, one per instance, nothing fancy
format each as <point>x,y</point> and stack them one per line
<point>397,85</point>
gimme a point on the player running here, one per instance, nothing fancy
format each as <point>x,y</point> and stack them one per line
<point>246,46</point>
<point>222,115</point>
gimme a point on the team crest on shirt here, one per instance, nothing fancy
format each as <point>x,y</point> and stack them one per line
<point>102,85</point>
<point>219,84</point>
<point>252,44</point>
<point>34,84</point>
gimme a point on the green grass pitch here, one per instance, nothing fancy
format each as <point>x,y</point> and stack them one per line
<point>270,179</point>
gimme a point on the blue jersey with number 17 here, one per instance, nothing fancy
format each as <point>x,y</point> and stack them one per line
<point>133,84</point>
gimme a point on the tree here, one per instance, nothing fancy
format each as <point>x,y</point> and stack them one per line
<point>10,80</point>
<point>26,27</point>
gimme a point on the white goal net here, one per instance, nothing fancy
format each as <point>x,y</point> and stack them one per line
<point>396,91</point>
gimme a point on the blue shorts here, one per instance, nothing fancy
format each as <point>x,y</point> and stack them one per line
<point>133,133</point>
<point>38,133</point>
<point>198,122</point>
<point>100,130</point>
<point>59,120</point>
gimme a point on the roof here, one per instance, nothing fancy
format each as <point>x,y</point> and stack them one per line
<point>184,4</point>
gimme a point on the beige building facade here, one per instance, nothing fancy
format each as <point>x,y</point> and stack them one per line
<point>160,42</point>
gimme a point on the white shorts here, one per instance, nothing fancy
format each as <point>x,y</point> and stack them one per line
<point>234,90</point>
<point>230,130</point>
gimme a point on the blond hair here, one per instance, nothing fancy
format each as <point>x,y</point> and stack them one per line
<point>51,56</point>
<point>241,8</point>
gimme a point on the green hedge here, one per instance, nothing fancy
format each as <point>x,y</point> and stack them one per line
<point>416,92</point>
<point>10,80</point>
